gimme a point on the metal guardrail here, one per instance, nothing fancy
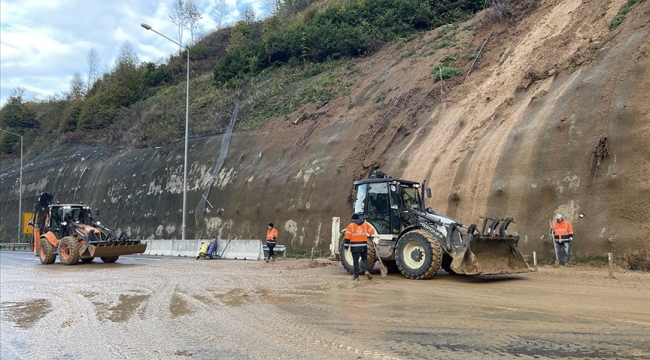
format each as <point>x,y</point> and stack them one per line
<point>277,248</point>
<point>15,246</point>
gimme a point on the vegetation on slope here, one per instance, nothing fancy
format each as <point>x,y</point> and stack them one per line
<point>142,103</point>
<point>620,16</point>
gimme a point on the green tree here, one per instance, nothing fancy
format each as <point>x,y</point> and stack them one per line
<point>96,113</point>
<point>127,79</point>
<point>239,35</point>
<point>71,120</point>
<point>17,113</point>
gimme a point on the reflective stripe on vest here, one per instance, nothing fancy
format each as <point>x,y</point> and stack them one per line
<point>562,230</point>
<point>271,234</point>
<point>358,234</point>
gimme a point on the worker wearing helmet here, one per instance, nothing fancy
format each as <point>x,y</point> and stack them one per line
<point>562,236</point>
<point>356,239</point>
<point>271,237</point>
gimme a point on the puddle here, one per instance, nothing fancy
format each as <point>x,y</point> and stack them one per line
<point>25,314</point>
<point>123,311</point>
<point>179,307</point>
<point>234,298</point>
<point>204,299</point>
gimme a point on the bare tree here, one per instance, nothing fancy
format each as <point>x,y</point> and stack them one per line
<point>248,15</point>
<point>192,17</point>
<point>178,18</point>
<point>127,56</point>
<point>200,33</point>
<point>77,87</point>
<point>271,7</point>
<point>92,59</point>
<point>219,12</point>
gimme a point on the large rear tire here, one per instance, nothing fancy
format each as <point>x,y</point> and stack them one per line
<point>46,252</point>
<point>69,251</point>
<point>110,259</point>
<point>418,255</point>
<point>346,257</point>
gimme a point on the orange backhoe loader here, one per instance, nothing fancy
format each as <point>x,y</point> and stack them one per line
<point>69,231</point>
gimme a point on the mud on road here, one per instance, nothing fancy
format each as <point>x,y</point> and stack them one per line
<point>179,308</point>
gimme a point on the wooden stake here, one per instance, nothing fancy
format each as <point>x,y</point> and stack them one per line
<point>610,265</point>
<point>535,260</point>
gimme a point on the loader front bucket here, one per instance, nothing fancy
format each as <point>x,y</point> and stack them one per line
<point>486,255</point>
<point>106,250</point>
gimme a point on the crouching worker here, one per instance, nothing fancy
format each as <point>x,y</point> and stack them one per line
<point>203,250</point>
<point>213,248</point>
<point>356,240</point>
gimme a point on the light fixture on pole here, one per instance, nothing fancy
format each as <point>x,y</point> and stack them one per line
<point>20,189</point>
<point>187,121</point>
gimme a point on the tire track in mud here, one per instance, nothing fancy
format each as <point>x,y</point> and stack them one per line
<point>276,335</point>
<point>238,296</point>
<point>162,291</point>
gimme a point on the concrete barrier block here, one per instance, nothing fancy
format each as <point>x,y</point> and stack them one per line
<point>244,249</point>
<point>161,247</point>
<point>186,248</point>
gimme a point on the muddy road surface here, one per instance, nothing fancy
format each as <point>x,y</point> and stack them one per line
<point>179,308</point>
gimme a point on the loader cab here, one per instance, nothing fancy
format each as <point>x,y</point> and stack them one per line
<point>79,214</point>
<point>381,201</point>
<point>62,215</point>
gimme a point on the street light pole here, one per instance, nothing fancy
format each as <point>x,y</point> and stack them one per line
<point>187,122</point>
<point>20,189</point>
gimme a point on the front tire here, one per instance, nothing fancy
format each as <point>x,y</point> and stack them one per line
<point>46,252</point>
<point>346,256</point>
<point>418,255</point>
<point>109,259</point>
<point>69,251</point>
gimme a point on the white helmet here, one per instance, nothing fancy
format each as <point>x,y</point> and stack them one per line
<point>559,217</point>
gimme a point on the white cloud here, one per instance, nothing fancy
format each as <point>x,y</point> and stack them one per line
<point>44,42</point>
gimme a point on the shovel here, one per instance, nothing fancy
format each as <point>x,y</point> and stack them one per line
<point>382,269</point>
<point>557,259</point>
<point>224,249</point>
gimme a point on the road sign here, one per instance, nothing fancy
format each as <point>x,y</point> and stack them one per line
<point>27,229</point>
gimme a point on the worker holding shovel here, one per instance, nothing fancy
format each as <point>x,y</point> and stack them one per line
<point>356,240</point>
<point>562,237</point>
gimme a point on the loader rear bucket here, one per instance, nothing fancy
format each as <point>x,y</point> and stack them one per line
<point>486,255</point>
<point>115,249</point>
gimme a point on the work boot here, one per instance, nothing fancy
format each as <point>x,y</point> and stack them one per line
<point>266,259</point>
<point>355,279</point>
<point>197,258</point>
<point>368,275</point>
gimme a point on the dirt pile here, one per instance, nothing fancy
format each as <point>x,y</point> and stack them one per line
<point>552,119</point>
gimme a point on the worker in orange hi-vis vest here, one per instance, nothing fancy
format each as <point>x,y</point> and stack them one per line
<point>271,237</point>
<point>356,240</point>
<point>562,236</point>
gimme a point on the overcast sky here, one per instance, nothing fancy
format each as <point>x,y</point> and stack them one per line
<point>44,42</point>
